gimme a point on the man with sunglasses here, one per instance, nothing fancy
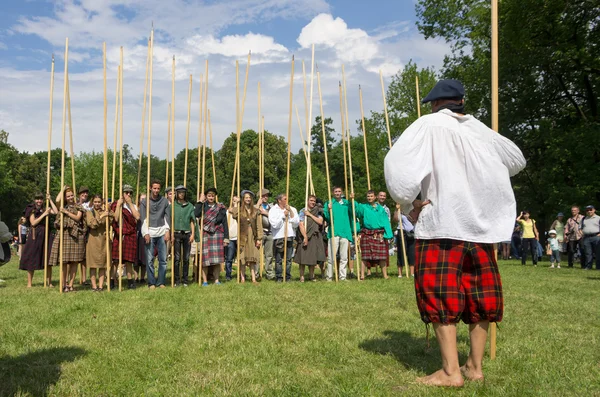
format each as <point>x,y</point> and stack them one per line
<point>591,237</point>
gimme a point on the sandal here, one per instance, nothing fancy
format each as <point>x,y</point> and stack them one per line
<point>65,289</point>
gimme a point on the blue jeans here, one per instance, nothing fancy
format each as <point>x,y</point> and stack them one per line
<point>160,244</point>
<point>555,257</point>
<point>591,245</point>
<point>229,257</point>
<point>278,248</point>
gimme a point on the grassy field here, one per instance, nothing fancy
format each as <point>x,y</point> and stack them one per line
<point>318,339</point>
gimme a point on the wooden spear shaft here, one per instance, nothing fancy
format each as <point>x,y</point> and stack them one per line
<point>309,181</point>
<point>237,157</point>
<point>495,126</point>
<point>167,172</point>
<point>117,99</point>
<point>356,242</point>
<point>418,96</point>
<point>387,123</point>
<point>302,141</point>
<point>196,256</point>
<point>121,176</point>
<point>62,164</point>
<point>333,251</point>
<point>362,115</point>
<point>187,135</point>
<point>343,138</point>
<point>47,220</point>
<point>203,119</point>
<point>105,170</point>
<point>148,187</point>
<point>167,158</point>
<point>172,138</point>
<point>309,120</point>
<point>212,152</point>
<point>71,152</point>
<point>287,178</point>
<point>137,186</point>
<point>260,180</point>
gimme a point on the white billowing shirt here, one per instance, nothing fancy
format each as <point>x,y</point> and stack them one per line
<point>277,220</point>
<point>464,168</point>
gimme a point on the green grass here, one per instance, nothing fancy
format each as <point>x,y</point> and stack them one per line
<point>318,339</point>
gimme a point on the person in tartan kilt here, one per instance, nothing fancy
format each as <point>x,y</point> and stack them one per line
<point>462,169</point>
<point>215,236</point>
<point>129,256</point>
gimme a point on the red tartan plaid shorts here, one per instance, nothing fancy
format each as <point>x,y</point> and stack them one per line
<point>457,280</point>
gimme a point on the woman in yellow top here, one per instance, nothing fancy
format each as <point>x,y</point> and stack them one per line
<point>530,237</point>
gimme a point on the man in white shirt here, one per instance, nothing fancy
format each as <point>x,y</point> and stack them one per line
<point>277,218</point>
<point>462,169</point>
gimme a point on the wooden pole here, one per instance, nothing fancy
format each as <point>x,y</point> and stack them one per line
<point>287,179</point>
<point>212,152</point>
<point>333,247</point>
<point>62,163</point>
<point>418,96</point>
<point>169,138</point>
<point>362,115</point>
<point>148,187</point>
<point>343,138</point>
<point>302,140</point>
<point>137,186</point>
<point>236,172</point>
<point>260,179</point>
<point>187,137</point>
<point>168,157</point>
<point>203,119</point>
<point>71,152</point>
<point>47,220</point>
<point>172,138</point>
<point>198,172</point>
<point>105,171</point>
<point>309,120</point>
<point>494,127</point>
<point>114,158</point>
<point>387,123</point>
<point>121,175</point>
<point>356,242</point>
<point>309,179</point>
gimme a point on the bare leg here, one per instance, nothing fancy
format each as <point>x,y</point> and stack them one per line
<point>252,272</point>
<point>362,271</point>
<point>412,270</point>
<point>102,273</point>
<point>29,278</point>
<point>129,270</point>
<point>216,272</point>
<point>93,278</point>
<point>311,272</point>
<point>450,374</point>
<point>83,276</point>
<point>473,368</point>
<point>302,273</point>
<point>49,277</point>
<point>383,266</point>
<point>204,269</point>
<point>242,273</point>
<point>72,274</point>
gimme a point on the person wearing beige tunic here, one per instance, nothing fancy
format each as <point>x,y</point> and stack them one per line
<point>251,234</point>
<point>95,252</point>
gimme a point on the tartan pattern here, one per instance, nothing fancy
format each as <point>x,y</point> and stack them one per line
<point>457,280</point>
<point>73,249</point>
<point>373,246</point>
<point>130,239</point>
<point>213,251</point>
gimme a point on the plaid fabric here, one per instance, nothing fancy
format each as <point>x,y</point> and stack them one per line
<point>73,249</point>
<point>130,240</point>
<point>457,280</point>
<point>373,247</point>
<point>212,248</point>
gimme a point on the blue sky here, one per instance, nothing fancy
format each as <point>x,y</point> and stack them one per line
<point>364,36</point>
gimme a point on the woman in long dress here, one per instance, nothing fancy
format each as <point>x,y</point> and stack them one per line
<point>95,252</point>
<point>32,256</point>
<point>310,250</point>
<point>73,237</point>
<point>251,234</point>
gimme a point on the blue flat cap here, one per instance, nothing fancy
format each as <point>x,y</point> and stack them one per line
<point>445,89</point>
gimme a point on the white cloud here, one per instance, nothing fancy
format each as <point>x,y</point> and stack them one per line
<point>3,46</point>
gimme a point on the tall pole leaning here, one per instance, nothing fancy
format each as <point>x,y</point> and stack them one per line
<point>120,268</point>
<point>137,186</point>
<point>47,220</point>
<point>148,187</point>
<point>105,172</point>
<point>287,178</point>
<point>494,126</point>
<point>62,164</point>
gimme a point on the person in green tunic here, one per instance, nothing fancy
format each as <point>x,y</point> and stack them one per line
<point>342,225</point>
<point>374,233</point>
<point>184,233</point>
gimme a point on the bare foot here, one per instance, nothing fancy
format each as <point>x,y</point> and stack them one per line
<point>471,374</point>
<point>441,378</point>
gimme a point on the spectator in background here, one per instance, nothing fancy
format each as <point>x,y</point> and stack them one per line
<point>22,230</point>
<point>530,237</point>
<point>574,235</point>
<point>559,226</point>
<point>515,242</point>
<point>553,248</point>
<point>591,237</point>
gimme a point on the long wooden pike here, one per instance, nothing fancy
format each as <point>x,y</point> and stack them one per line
<point>302,140</point>
<point>309,179</point>
<point>203,119</point>
<point>287,178</point>
<point>260,178</point>
<point>196,256</point>
<point>237,157</point>
<point>172,138</point>
<point>71,152</point>
<point>187,137</point>
<point>309,119</point>
<point>117,99</point>
<point>121,175</point>
<point>137,186</point>
<point>333,247</point>
<point>212,152</point>
<point>148,187</point>
<point>389,132</point>
<point>169,138</point>
<point>62,164</point>
<point>47,220</point>
<point>362,115</point>
<point>105,171</point>
<point>418,96</point>
<point>495,102</point>
<point>343,138</point>
<point>356,242</point>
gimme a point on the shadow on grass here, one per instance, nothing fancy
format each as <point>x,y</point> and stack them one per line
<point>412,352</point>
<point>33,373</point>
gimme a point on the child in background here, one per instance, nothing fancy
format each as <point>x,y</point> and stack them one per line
<point>554,248</point>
